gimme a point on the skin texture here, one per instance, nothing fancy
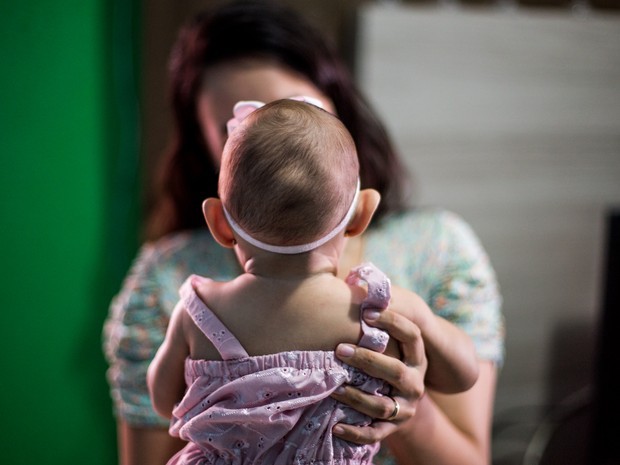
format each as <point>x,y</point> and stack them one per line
<point>431,428</point>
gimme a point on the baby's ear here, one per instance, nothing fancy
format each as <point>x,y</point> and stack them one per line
<point>213,211</point>
<point>367,204</point>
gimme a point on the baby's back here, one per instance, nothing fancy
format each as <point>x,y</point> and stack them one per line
<point>316,315</point>
<point>275,408</point>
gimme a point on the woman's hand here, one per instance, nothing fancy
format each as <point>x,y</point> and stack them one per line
<point>406,376</point>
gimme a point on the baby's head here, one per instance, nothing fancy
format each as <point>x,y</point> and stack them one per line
<point>289,173</point>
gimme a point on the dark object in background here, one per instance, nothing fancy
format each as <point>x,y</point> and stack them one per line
<point>605,438</point>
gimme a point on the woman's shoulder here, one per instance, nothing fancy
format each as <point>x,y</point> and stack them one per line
<point>420,246</point>
<point>187,252</point>
<point>178,243</point>
<point>431,223</point>
<point>420,215</point>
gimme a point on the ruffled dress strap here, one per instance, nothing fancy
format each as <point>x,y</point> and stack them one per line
<point>224,341</point>
<point>378,298</point>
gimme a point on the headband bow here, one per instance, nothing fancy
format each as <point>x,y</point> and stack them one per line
<point>242,109</point>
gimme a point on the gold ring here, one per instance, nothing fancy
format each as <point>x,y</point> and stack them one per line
<point>395,411</point>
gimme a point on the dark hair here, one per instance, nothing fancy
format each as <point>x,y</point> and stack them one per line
<point>242,29</point>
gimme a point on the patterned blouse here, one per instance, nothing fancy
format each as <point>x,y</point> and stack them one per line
<point>429,251</point>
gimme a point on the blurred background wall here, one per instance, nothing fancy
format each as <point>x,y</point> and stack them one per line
<point>510,116</point>
<point>507,112</point>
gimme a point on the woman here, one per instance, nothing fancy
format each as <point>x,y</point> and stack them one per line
<point>259,51</point>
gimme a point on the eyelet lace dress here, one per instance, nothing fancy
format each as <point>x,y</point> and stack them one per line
<point>273,409</point>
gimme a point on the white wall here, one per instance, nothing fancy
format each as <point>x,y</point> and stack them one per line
<point>512,120</point>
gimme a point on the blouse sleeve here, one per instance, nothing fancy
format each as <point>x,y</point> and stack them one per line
<point>133,331</point>
<point>466,291</point>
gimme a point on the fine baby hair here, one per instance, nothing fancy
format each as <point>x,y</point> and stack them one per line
<point>289,176</point>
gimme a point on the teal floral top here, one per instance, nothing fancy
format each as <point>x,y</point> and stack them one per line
<point>432,252</point>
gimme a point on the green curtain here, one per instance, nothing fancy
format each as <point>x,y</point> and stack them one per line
<point>68,203</point>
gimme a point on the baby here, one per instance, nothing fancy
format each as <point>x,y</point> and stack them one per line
<point>247,367</point>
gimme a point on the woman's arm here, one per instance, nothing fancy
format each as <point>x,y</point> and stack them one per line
<point>449,429</point>
<point>139,445</point>
<point>135,328</point>
<point>452,360</point>
<point>165,380</point>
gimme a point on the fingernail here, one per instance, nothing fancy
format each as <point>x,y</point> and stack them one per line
<point>371,315</point>
<point>340,390</point>
<point>345,350</point>
<point>338,430</point>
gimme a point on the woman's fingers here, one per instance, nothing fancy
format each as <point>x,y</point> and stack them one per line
<point>375,406</point>
<point>375,432</point>
<point>406,377</point>
<point>405,331</point>
<point>375,364</point>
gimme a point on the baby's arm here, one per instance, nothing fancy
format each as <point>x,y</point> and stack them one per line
<point>452,360</point>
<point>165,376</point>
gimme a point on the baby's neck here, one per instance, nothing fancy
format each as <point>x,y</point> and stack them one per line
<point>291,267</point>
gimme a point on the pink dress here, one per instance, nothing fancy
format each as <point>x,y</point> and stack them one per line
<point>273,409</point>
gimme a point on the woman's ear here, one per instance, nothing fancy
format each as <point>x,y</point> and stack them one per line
<point>213,211</point>
<point>367,204</point>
